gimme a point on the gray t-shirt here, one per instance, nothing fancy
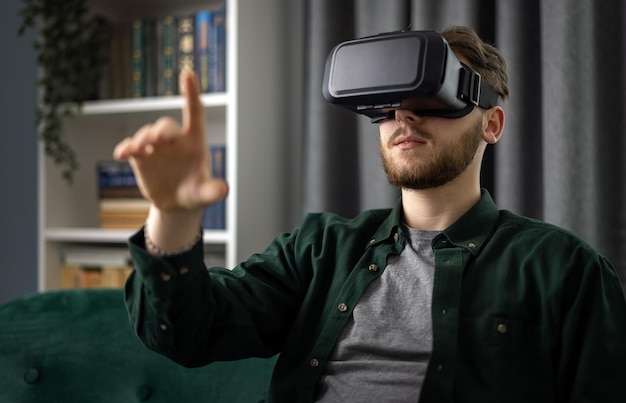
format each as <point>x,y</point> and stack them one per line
<point>383,351</point>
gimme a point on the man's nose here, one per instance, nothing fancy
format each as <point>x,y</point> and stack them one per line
<point>407,116</point>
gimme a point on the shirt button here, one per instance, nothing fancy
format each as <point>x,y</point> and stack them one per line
<point>472,245</point>
<point>443,311</point>
<point>143,393</point>
<point>396,237</point>
<point>372,267</point>
<point>163,326</point>
<point>502,328</point>
<point>31,376</point>
<point>372,241</point>
<point>183,270</point>
<point>342,307</point>
<point>314,363</point>
<point>165,277</point>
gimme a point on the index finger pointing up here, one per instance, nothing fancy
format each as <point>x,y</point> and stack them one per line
<point>193,117</point>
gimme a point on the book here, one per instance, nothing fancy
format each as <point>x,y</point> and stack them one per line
<point>150,57</point>
<point>144,57</point>
<point>167,81</point>
<point>111,173</point>
<point>214,216</point>
<point>114,277</point>
<point>185,52</point>
<point>125,61</point>
<point>123,213</point>
<point>122,221</point>
<point>90,277</point>
<point>119,63</point>
<point>124,205</point>
<point>204,20</point>
<point>117,192</point>
<point>96,257</point>
<point>138,84</point>
<point>79,277</point>
<point>217,50</point>
<point>94,266</point>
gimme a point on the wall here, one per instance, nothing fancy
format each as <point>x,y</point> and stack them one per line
<point>18,157</point>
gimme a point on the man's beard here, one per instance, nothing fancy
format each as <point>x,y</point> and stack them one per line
<point>440,168</point>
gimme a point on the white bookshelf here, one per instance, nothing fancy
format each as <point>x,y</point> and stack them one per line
<point>247,118</point>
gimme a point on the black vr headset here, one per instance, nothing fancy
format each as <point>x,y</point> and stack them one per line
<point>413,70</point>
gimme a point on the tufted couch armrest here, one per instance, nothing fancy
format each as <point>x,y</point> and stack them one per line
<point>77,346</point>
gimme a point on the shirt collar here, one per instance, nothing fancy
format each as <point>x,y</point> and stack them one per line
<point>470,231</point>
<point>390,229</point>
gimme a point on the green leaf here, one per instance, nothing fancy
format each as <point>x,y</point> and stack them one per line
<point>70,54</point>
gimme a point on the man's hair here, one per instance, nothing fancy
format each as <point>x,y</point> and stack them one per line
<point>484,58</point>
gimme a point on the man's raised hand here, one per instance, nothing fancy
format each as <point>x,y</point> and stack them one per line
<point>170,161</point>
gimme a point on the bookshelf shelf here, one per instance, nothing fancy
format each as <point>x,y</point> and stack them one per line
<point>249,119</point>
<point>97,235</point>
<point>152,104</point>
<point>86,235</point>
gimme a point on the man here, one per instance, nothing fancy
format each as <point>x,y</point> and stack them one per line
<point>443,298</point>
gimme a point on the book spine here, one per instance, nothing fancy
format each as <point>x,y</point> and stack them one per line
<point>167,82</point>
<point>137,59</point>
<point>117,59</point>
<point>160,57</point>
<point>186,45</point>
<point>69,276</point>
<point>203,30</point>
<point>214,216</point>
<point>73,276</point>
<point>217,66</point>
<point>115,174</point>
<point>150,54</point>
<point>126,69</point>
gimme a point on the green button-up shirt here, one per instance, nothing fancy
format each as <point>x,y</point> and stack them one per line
<point>522,311</point>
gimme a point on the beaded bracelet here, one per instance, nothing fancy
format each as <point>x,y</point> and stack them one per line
<point>155,250</point>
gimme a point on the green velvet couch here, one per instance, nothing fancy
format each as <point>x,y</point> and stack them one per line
<point>77,346</point>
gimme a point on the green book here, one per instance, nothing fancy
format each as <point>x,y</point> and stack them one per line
<point>167,80</point>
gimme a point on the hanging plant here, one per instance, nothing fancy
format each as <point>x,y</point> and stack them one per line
<point>71,50</point>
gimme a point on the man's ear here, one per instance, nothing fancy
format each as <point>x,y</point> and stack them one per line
<point>493,120</point>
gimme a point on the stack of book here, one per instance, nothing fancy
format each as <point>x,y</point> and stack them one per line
<point>121,205</point>
<point>147,55</point>
<point>95,267</point>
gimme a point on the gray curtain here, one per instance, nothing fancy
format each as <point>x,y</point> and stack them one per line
<point>561,156</point>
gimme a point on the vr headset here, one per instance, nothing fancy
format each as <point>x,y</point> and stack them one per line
<point>413,70</point>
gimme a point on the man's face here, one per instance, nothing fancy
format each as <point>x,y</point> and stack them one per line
<point>427,152</point>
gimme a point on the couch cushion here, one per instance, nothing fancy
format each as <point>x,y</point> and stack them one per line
<point>78,346</point>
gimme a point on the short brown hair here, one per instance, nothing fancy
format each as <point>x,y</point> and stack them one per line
<point>484,58</point>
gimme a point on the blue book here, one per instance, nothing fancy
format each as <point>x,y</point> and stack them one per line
<point>203,23</point>
<point>217,50</point>
<point>115,174</point>
<point>115,179</point>
<point>214,216</point>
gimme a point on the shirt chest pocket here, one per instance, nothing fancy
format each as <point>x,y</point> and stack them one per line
<point>510,337</point>
<point>508,359</point>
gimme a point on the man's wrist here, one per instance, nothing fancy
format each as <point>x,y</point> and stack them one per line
<point>172,232</point>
